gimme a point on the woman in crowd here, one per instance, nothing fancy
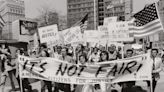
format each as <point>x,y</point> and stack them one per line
<point>104,56</point>
<point>83,88</point>
<point>25,82</point>
<point>6,66</point>
<point>44,53</point>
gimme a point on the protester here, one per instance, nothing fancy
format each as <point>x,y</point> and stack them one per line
<point>64,56</point>
<point>112,52</point>
<point>157,67</point>
<point>4,73</point>
<point>104,56</point>
<point>128,86</point>
<point>87,87</point>
<point>83,55</point>
<point>82,59</point>
<point>25,82</point>
<point>95,56</point>
<point>44,53</point>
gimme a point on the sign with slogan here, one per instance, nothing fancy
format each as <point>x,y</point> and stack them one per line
<point>142,72</point>
<point>51,69</point>
<point>49,34</point>
<point>104,34</point>
<point>119,31</point>
<point>158,45</point>
<point>91,36</point>
<point>72,35</point>
<point>109,20</point>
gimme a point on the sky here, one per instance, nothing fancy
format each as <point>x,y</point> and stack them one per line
<point>33,6</point>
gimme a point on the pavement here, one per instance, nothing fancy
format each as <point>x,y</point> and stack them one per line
<point>37,85</point>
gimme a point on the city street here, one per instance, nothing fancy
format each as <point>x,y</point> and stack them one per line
<point>73,45</point>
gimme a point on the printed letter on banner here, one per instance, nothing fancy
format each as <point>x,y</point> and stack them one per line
<point>51,69</point>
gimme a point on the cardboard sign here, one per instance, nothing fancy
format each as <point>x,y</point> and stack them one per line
<point>49,34</point>
<point>109,20</point>
<point>119,31</point>
<point>72,35</point>
<point>92,36</point>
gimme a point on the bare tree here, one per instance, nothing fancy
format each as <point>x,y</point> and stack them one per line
<point>47,16</point>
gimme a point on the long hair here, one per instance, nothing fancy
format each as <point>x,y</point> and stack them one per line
<point>106,53</point>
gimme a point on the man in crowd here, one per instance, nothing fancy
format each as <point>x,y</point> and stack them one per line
<point>128,86</point>
<point>157,67</point>
<point>112,52</point>
<point>61,86</point>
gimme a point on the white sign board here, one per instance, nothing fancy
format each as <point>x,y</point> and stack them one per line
<point>104,34</point>
<point>49,34</point>
<point>109,20</point>
<point>91,36</point>
<point>72,35</point>
<point>119,31</point>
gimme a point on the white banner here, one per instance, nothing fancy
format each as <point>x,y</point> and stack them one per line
<point>72,35</point>
<point>135,68</point>
<point>119,31</point>
<point>49,34</point>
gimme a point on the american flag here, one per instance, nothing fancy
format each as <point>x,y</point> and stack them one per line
<point>83,23</point>
<point>147,22</point>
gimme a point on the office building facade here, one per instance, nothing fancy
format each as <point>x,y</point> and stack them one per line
<point>10,11</point>
<point>76,9</point>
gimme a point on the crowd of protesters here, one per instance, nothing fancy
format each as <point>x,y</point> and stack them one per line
<point>80,54</point>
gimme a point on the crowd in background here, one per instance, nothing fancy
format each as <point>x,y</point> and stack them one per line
<point>84,55</point>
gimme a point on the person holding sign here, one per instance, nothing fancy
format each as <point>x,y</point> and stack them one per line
<point>104,56</point>
<point>95,56</point>
<point>112,52</point>
<point>44,53</point>
<point>83,88</point>
<point>129,85</point>
<point>64,56</point>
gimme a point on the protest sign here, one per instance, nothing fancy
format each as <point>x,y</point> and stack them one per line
<point>158,45</point>
<point>91,36</point>
<point>119,31</point>
<point>72,35</point>
<point>51,69</point>
<point>104,34</point>
<point>49,35</point>
<point>109,20</point>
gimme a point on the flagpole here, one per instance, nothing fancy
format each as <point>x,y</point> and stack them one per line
<point>95,14</point>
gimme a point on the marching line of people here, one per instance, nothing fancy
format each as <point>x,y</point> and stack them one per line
<point>83,55</point>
